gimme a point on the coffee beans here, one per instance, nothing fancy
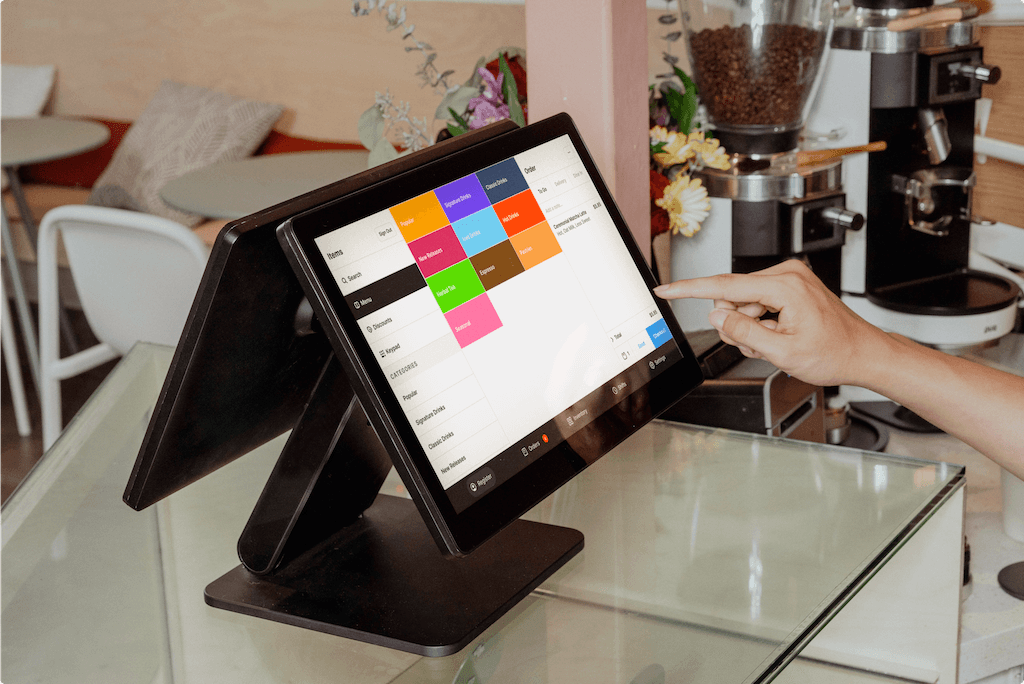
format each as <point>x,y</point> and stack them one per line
<point>741,84</point>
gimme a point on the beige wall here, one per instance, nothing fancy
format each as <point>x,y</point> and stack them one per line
<point>312,56</point>
<point>324,64</point>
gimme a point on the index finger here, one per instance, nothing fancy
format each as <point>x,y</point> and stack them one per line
<point>734,287</point>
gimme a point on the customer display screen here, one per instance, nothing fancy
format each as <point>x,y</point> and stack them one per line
<point>504,311</point>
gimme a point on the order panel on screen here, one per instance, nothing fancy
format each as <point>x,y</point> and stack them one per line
<point>488,304</point>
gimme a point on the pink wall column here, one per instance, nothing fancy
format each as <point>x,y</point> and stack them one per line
<point>589,58</point>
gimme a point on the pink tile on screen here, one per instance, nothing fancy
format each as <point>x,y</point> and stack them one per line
<point>473,320</point>
<point>437,251</point>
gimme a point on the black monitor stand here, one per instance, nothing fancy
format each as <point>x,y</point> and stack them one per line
<point>324,550</point>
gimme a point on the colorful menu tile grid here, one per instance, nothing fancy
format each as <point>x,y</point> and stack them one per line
<point>471,235</point>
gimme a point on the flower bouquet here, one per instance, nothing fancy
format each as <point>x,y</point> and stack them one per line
<point>495,91</point>
<point>679,202</point>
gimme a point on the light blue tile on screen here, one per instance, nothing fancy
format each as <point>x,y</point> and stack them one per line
<point>479,231</point>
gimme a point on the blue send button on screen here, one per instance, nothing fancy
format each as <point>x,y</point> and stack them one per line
<point>659,333</point>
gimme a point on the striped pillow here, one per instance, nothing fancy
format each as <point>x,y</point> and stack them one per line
<point>183,128</point>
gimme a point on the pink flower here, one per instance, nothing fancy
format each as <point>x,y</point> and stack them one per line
<point>488,106</point>
<point>491,87</point>
<point>486,113</point>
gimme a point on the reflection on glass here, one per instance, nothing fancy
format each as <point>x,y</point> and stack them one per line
<point>754,583</point>
<point>737,540</point>
<point>881,477</point>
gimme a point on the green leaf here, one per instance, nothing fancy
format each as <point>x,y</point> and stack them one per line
<point>457,130</point>
<point>511,93</point>
<point>459,120</point>
<point>681,108</point>
<point>658,147</point>
<point>688,83</point>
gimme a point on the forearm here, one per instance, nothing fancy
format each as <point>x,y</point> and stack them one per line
<point>981,406</point>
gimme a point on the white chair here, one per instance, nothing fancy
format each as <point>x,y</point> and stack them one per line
<point>136,276</point>
<point>13,363</point>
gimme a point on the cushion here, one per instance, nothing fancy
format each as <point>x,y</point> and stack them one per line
<point>281,143</point>
<point>183,128</point>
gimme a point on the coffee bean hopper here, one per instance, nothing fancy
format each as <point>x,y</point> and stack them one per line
<point>757,66</point>
<point>909,73</point>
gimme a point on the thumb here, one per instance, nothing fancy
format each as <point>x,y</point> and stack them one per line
<point>747,332</point>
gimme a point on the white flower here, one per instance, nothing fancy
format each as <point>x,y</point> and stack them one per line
<point>711,153</point>
<point>678,147</point>
<point>686,201</point>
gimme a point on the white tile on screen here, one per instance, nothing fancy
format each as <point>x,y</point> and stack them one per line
<point>566,371</point>
<point>594,249</point>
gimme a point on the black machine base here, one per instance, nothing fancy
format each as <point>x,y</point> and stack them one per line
<point>892,414</point>
<point>958,293</point>
<point>382,580</point>
<point>866,434</point>
<point>1011,579</point>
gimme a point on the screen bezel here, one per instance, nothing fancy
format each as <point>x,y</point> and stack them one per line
<point>460,532</point>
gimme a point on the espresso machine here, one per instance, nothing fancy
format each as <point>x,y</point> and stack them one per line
<point>908,73</point>
<point>757,67</point>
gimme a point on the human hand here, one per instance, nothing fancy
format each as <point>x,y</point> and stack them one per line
<point>816,338</point>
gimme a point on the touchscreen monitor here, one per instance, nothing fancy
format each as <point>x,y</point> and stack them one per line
<point>497,321</point>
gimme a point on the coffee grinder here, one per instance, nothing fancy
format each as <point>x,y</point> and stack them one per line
<point>909,73</point>
<point>757,67</point>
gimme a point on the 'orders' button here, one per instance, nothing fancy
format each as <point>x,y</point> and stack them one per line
<point>481,481</point>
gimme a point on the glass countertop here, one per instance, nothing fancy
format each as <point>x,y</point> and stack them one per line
<point>710,556</point>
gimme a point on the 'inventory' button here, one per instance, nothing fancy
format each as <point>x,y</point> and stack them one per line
<point>481,481</point>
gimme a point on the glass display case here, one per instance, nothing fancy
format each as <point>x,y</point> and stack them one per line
<point>710,556</point>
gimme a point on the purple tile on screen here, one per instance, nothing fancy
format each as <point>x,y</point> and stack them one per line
<point>462,197</point>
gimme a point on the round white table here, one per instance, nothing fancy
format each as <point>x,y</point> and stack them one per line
<point>34,140</point>
<point>234,189</point>
<point>30,141</point>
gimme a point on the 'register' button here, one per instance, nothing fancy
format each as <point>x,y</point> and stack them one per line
<point>481,481</point>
